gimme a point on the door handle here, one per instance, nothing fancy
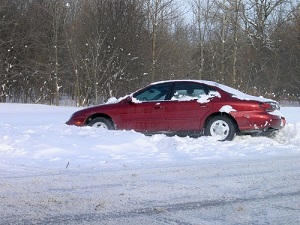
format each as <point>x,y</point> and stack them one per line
<point>157,107</point>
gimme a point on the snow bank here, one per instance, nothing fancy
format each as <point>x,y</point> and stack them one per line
<point>36,135</point>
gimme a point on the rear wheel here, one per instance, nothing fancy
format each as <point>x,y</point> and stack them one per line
<point>101,122</point>
<point>222,127</point>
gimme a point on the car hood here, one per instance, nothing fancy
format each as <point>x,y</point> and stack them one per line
<point>98,108</point>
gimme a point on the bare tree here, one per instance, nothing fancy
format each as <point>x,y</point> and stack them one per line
<point>236,4</point>
<point>103,43</point>
<point>231,21</point>
<point>159,13</point>
<point>44,54</point>
<point>201,13</point>
<point>7,34</point>
<point>58,16</point>
<point>257,14</point>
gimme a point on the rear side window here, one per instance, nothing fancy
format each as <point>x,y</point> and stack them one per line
<point>156,92</point>
<point>188,90</point>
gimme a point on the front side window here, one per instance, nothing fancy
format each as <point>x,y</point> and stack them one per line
<point>156,92</point>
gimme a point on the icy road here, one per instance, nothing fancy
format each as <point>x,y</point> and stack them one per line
<point>51,173</point>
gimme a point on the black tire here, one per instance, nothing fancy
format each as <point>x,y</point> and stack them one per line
<point>101,122</point>
<point>221,126</point>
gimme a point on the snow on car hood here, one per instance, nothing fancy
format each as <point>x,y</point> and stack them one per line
<point>114,100</point>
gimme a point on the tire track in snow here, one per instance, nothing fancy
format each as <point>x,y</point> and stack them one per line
<point>159,212</point>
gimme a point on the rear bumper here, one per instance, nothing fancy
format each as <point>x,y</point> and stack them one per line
<point>258,132</point>
<point>253,122</point>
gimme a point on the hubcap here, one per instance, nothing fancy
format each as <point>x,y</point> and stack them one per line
<point>100,125</point>
<point>219,128</point>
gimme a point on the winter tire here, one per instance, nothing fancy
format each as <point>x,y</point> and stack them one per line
<point>221,126</point>
<point>101,122</point>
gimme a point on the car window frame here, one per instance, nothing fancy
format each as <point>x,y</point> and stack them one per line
<point>170,88</point>
<point>171,94</point>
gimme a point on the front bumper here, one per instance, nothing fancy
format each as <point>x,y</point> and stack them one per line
<point>77,121</point>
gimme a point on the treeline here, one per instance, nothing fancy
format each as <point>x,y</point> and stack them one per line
<point>89,50</point>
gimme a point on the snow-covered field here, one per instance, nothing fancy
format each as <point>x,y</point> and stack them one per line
<point>51,173</point>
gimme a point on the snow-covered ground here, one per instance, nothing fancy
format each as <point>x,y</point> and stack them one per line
<point>51,173</point>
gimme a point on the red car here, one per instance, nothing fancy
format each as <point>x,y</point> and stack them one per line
<point>186,107</point>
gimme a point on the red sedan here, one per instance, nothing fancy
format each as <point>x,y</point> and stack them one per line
<point>186,107</point>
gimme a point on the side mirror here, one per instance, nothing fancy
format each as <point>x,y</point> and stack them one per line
<point>129,99</point>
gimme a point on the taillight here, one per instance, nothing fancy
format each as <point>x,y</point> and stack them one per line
<point>269,106</point>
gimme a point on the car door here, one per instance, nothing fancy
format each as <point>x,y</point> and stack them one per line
<point>188,105</point>
<point>146,112</point>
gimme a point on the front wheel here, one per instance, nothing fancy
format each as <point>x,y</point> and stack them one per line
<point>101,122</point>
<point>222,127</point>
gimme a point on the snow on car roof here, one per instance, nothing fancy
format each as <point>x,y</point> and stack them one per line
<point>234,92</point>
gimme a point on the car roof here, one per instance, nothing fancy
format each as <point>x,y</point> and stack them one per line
<point>197,81</point>
<point>210,83</point>
<point>234,92</point>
